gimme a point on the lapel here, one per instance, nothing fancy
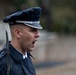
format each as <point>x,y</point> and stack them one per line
<point>25,70</point>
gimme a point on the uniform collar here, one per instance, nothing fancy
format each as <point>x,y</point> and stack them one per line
<point>24,55</point>
<point>16,55</point>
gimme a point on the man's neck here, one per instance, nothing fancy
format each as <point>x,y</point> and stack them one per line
<point>17,47</point>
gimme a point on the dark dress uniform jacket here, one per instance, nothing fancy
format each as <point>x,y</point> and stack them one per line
<point>18,65</point>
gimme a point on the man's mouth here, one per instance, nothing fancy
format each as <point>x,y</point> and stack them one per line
<point>33,43</point>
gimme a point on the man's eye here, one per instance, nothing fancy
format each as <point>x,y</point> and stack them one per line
<point>33,30</point>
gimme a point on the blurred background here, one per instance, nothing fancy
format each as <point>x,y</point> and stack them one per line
<point>55,51</point>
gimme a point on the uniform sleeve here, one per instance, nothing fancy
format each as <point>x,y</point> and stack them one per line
<point>0,69</point>
<point>3,70</point>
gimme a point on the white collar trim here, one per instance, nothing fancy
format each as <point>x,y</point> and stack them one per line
<point>25,55</point>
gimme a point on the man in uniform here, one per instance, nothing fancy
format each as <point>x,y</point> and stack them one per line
<point>15,56</point>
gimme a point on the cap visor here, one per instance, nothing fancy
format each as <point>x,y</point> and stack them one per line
<point>33,24</point>
<point>37,26</point>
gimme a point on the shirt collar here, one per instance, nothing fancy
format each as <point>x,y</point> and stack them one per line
<point>25,55</point>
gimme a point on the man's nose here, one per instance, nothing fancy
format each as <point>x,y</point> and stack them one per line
<point>37,34</point>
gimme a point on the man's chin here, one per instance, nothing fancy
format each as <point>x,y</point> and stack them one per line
<point>31,49</point>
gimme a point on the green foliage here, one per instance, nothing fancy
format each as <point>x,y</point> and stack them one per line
<point>61,11</point>
<point>64,20</point>
<point>58,14</point>
<point>18,3</point>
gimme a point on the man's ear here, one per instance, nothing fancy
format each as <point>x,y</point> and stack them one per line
<point>17,33</point>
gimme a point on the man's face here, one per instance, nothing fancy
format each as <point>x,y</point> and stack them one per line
<point>28,38</point>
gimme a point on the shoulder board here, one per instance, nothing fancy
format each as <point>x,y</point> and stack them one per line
<point>2,53</point>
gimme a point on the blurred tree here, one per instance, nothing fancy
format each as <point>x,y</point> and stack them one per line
<point>4,8</point>
<point>54,12</point>
<point>19,4</point>
<point>64,16</point>
<point>11,6</point>
<point>46,12</point>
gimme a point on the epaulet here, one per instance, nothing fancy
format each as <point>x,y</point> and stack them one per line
<point>2,53</point>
